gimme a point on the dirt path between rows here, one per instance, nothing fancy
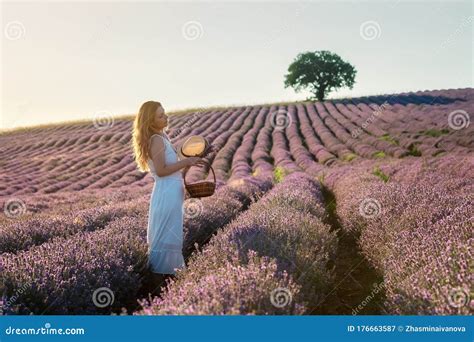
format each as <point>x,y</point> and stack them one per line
<point>358,288</point>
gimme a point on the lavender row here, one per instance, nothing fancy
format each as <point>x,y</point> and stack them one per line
<point>218,135</point>
<point>61,276</point>
<point>416,231</point>
<point>223,160</point>
<point>74,276</point>
<point>23,234</point>
<point>242,164</point>
<point>205,216</point>
<point>279,150</point>
<point>272,259</point>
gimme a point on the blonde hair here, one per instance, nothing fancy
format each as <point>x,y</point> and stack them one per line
<point>144,126</point>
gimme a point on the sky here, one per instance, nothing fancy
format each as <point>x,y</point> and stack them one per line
<point>63,60</point>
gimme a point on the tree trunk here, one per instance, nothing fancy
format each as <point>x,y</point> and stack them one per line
<point>320,93</point>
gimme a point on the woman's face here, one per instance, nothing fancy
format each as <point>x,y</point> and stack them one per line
<point>160,117</point>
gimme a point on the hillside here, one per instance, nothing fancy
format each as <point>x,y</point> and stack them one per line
<point>87,156</point>
<point>350,206</point>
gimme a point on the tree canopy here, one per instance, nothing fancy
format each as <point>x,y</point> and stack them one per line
<point>320,72</point>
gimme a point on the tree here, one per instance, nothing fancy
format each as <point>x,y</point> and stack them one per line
<point>320,72</point>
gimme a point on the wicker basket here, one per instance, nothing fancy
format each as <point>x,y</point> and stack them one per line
<point>202,188</point>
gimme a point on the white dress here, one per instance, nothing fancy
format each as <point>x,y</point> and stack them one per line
<point>165,217</point>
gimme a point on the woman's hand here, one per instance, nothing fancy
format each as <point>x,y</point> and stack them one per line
<point>210,149</point>
<point>192,161</point>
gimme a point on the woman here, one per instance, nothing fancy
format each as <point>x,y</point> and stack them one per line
<point>155,153</point>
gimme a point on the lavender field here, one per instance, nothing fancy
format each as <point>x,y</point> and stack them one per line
<point>352,206</point>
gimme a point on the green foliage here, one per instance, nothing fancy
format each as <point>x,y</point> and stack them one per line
<point>413,151</point>
<point>320,72</point>
<point>379,173</point>
<point>321,178</point>
<point>439,153</point>
<point>387,137</point>
<point>348,157</point>
<point>435,132</point>
<point>379,154</point>
<point>279,174</point>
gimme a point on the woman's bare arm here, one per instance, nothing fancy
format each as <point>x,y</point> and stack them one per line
<point>158,158</point>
